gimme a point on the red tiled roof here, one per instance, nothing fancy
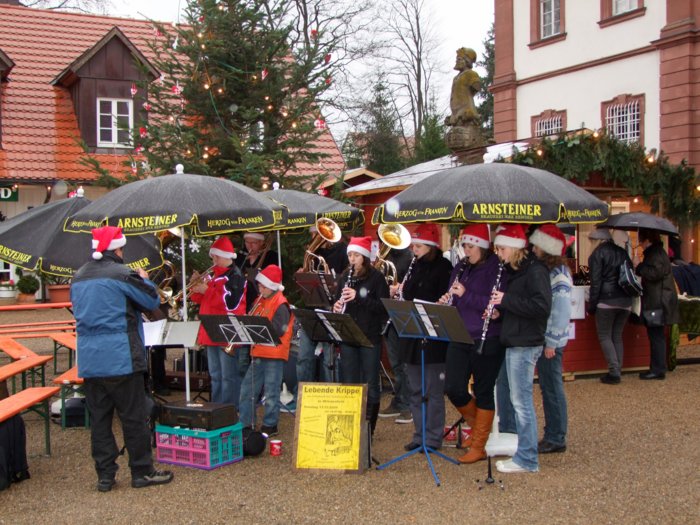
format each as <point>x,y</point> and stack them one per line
<point>39,128</point>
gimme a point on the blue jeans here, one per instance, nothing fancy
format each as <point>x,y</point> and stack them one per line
<point>398,366</point>
<point>553,398</point>
<point>225,376</point>
<point>361,365</point>
<point>520,367</point>
<point>261,373</point>
<point>506,414</point>
<point>306,360</point>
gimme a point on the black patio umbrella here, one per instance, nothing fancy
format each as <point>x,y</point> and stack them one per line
<point>303,209</point>
<point>35,240</point>
<point>497,192</point>
<point>633,221</point>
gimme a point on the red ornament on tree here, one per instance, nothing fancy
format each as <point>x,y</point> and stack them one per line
<point>176,89</point>
<point>146,106</point>
<point>143,132</point>
<point>328,80</point>
<point>314,34</point>
<point>319,123</point>
<point>327,58</point>
<point>264,74</point>
<point>138,149</point>
<point>323,192</point>
<point>133,90</point>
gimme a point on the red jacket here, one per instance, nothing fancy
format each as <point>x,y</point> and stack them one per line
<point>225,295</point>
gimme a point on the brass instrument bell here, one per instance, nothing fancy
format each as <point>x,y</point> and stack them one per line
<point>393,236</point>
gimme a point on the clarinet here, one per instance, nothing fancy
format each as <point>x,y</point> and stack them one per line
<point>489,313</point>
<point>348,283</point>
<point>398,296</point>
<point>457,278</point>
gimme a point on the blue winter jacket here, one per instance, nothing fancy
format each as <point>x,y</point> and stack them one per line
<point>108,299</point>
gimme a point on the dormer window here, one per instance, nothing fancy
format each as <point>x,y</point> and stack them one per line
<point>115,120</point>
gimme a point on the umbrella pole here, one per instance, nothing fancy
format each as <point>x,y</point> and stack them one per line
<point>279,251</point>
<point>184,315</point>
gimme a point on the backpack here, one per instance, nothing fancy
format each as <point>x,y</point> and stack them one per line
<point>628,280</point>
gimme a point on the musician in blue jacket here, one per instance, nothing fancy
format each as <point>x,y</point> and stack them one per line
<point>108,299</point>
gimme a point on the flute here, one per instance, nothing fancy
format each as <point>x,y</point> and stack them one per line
<point>489,312</point>
<point>348,282</point>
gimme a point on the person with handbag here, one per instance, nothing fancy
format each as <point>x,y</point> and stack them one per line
<point>608,302</point>
<point>659,299</point>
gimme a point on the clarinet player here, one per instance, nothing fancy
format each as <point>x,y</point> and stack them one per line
<point>429,279</point>
<point>360,290</point>
<point>472,282</point>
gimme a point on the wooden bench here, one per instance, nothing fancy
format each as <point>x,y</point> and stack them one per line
<point>63,340</point>
<point>34,399</point>
<point>14,349</point>
<point>32,366</point>
<point>68,381</point>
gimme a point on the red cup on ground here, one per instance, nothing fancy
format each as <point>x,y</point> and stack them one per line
<point>275,447</point>
<point>466,432</point>
<point>452,433</point>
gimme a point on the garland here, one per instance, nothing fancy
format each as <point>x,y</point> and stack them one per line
<point>665,186</point>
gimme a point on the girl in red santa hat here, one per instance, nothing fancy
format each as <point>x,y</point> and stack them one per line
<point>223,294</point>
<point>427,279</point>
<point>525,308</point>
<point>360,290</point>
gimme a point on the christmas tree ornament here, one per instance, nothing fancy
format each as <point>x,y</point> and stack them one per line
<point>133,90</point>
<point>146,106</point>
<point>264,74</point>
<point>143,132</point>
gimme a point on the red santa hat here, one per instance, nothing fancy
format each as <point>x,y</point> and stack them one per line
<point>428,234</point>
<point>271,277</point>
<point>550,239</point>
<point>512,235</point>
<point>106,238</point>
<point>361,245</point>
<point>223,247</point>
<point>476,234</point>
<point>254,235</point>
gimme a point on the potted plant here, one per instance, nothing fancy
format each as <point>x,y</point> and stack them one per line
<point>8,289</point>
<point>57,288</point>
<point>27,286</point>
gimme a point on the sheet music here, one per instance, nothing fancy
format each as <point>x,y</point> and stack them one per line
<point>181,333</point>
<point>153,332</point>
<point>426,319</point>
<point>321,315</point>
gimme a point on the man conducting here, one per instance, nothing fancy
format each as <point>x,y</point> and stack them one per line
<point>108,299</point>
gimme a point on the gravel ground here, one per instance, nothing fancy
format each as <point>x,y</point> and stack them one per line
<point>632,457</point>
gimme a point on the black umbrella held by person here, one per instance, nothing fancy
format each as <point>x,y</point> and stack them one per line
<point>35,240</point>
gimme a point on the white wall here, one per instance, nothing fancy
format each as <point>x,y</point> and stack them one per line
<point>585,40</point>
<point>582,92</point>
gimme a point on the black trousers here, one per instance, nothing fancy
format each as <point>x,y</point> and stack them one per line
<point>462,361</point>
<point>126,395</point>
<point>657,349</point>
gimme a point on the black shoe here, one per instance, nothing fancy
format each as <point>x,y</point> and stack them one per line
<point>106,484</point>
<point>270,431</point>
<point>652,375</point>
<point>545,447</point>
<point>162,391</point>
<point>610,380</point>
<point>157,477</point>
<point>411,446</point>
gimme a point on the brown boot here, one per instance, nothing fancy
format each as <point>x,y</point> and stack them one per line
<point>480,435</point>
<point>468,413</point>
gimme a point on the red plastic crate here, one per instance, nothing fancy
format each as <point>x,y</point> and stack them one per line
<point>204,449</point>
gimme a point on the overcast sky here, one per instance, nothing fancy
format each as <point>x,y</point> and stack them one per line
<point>460,23</point>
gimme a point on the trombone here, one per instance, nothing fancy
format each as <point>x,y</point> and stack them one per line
<point>207,274</point>
<point>326,231</point>
<point>393,236</point>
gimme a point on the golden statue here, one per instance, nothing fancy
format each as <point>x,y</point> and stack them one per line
<point>464,86</point>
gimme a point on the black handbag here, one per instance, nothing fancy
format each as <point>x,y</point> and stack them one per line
<point>628,280</point>
<point>653,318</point>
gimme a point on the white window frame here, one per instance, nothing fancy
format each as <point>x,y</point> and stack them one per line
<point>545,127</point>
<point>550,18</point>
<point>622,6</point>
<point>114,143</point>
<point>624,121</point>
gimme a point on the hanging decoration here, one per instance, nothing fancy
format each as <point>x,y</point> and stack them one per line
<point>133,90</point>
<point>263,74</point>
<point>314,34</point>
<point>146,106</point>
<point>327,58</point>
<point>176,89</point>
<point>319,123</point>
<point>143,132</point>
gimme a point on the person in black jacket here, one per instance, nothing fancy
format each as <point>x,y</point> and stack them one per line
<point>608,301</point>
<point>525,308</point>
<point>360,290</point>
<point>429,280</point>
<point>659,295</point>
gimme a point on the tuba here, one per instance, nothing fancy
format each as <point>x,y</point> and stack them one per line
<point>326,231</point>
<point>393,236</point>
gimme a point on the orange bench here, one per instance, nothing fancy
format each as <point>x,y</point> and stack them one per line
<point>63,340</point>
<point>32,366</point>
<point>14,349</point>
<point>67,382</point>
<point>30,399</point>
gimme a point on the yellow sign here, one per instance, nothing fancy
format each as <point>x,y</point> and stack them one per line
<point>329,428</point>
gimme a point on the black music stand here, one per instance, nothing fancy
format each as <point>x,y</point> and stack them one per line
<point>425,321</point>
<point>240,329</point>
<point>317,289</point>
<point>330,327</point>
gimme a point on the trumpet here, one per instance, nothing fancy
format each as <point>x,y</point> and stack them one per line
<point>393,236</point>
<point>207,274</point>
<point>327,231</point>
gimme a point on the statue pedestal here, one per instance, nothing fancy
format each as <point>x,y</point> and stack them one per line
<point>463,137</point>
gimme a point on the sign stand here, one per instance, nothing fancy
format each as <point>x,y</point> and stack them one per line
<point>425,321</point>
